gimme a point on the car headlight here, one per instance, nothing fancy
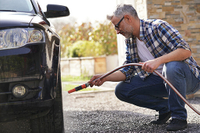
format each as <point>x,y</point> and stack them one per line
<point>17,37</point>
<point>19,91</point>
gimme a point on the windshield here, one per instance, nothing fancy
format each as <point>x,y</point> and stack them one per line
<point>16,5</point>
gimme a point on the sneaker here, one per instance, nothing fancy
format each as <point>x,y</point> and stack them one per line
<point>162,118</point>
<point>177,124</point>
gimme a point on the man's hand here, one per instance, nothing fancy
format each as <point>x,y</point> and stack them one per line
<point>115,77</point>
<point>150,65</point>
<point>176,55</point>
<point>95,81</point>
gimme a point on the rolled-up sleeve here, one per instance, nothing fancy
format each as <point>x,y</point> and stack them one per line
<point>128,72</point>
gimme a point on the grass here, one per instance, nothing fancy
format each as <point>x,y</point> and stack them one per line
<point>75,78</point>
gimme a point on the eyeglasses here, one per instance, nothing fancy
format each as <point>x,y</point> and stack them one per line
<point>117,25</point>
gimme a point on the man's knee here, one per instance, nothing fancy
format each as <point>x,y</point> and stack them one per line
<point>174,68</point>
<point>118,90</point>
<point>121,91</point>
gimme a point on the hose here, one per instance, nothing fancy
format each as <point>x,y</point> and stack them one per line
<point>137,64</point>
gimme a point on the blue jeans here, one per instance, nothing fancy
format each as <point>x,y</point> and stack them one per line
<point>150,93</point>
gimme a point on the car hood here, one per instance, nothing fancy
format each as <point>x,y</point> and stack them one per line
<point>16,19</point>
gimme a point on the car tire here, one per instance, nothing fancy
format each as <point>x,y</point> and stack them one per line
<point>53,121</point>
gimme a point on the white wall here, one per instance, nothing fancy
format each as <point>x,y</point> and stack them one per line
<point>88,65</point>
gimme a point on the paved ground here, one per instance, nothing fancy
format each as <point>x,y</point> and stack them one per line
<point>102,112</point>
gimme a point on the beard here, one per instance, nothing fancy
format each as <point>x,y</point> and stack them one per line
<point>128,31</point>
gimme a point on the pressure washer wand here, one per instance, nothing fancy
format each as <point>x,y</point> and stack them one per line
<point>79,88</point>
<point>103,76</point>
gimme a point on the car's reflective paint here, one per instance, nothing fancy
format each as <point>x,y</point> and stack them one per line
<point>34,65</point>
<point>15,19</point>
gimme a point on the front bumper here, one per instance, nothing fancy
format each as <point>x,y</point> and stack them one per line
<point>24,109</point>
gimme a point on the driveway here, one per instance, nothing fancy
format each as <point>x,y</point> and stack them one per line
<point>102,112</point>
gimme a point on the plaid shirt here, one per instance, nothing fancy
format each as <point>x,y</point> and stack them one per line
<point>160,39</point>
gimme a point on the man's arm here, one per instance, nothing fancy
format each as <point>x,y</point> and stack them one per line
<point>176,55</point>
<point>116,76</point>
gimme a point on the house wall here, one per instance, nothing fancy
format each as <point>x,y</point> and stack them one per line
<point>184,15</point>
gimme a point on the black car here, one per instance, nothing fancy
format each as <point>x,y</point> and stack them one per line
<point>30,82</point>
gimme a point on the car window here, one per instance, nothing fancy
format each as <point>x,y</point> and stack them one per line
<point>16,5</point>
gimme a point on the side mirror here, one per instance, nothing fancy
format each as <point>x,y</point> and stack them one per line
<point>54,11</point>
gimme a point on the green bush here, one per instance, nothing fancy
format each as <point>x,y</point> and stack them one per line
<point>85,49</point>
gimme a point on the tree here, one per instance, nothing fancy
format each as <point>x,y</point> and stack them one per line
<point>103,38</point>
<point>105,34</point>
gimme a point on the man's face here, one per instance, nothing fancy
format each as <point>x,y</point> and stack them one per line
<point>122,27</point>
